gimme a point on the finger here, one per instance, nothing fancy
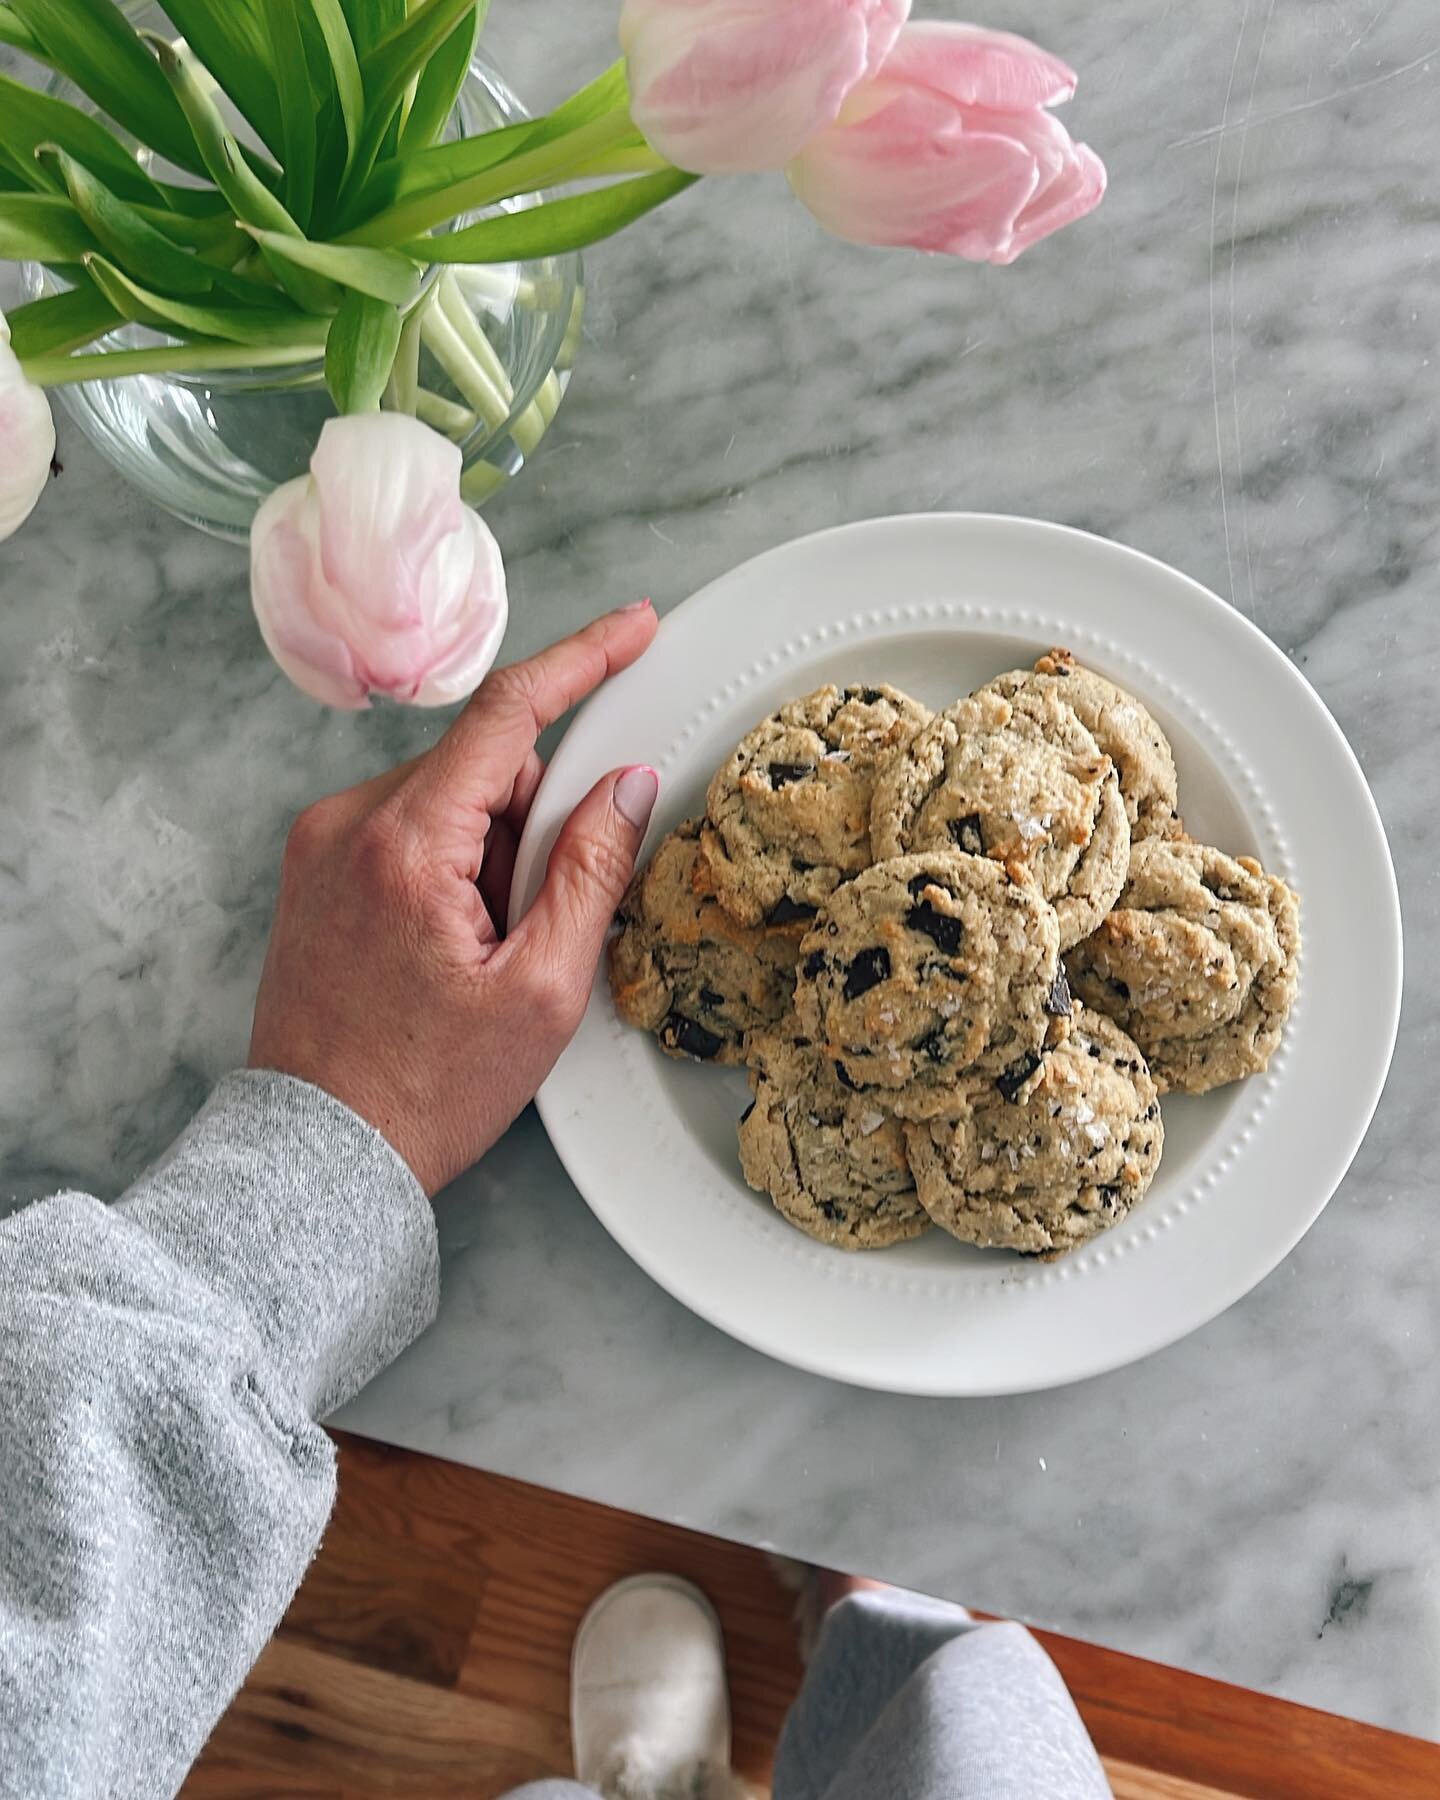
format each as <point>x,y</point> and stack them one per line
<point>522,795</point>
<point>560,939</point>
<point>476,761</point>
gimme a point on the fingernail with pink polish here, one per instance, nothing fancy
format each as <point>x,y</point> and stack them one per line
<point>635,795</point>
<point>638,605</point>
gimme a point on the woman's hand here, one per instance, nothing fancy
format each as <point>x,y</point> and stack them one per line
<point>389,981</point>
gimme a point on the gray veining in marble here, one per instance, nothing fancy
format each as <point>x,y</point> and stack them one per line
<point>1234,366</point>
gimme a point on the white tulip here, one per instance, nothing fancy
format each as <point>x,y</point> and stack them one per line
<point>27,439</point>
<point>370,575</point>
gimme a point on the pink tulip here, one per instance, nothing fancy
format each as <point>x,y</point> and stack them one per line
<point>950,149</point>
<point>27,439</point>
<point>370,575</point>
<point>725,86</point>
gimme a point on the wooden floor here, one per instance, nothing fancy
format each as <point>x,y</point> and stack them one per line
<point>427,1656</point>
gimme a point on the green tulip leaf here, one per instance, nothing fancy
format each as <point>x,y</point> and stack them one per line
<point>29,119</point>
<point>372,20</point>
<point>388,68</point>
<point>297,104</point>
<point>360,352</point>
<point>555,227</point>
<point>444,165</point>
<point>93,43</point>
<point>42,228</point>
<point>440,82</point>
<point>60,323</point>
<point>382,274</point>
<point>229,41</point>
<point>123,233</point>
<point>344,70</point>
<point>234,324</point>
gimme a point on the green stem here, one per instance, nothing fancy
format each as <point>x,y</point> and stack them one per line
<point>534,422</point>
<point>402,389</point>
<point>445,345</point>
<point>434,409</point>
<point>467,328</point>
<point>523,174</point>
<point>165,359</point>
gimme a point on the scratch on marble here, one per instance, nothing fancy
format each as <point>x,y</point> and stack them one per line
<point>1234,352</point>
<point>1286,112</point>
<point>1214,352</point>
<point>663,537</point>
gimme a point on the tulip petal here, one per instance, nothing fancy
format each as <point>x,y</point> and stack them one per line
<point>27,439</point>
<point>388,489</point>
<point>725,86</point>
<point>911,174</point>
<point>477,643</point>
<point>282,563</point>
<point>979,67</point>
<point>1078,190</point>
<point>371,576</point>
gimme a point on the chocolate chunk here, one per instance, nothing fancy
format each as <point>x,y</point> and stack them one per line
<point>1058,1003</point>
<point>1120,989</point>
<point>786,911</point>
<point>832,1210</point>
<point>933,1046</point>
<point>780,773</point>
<point>945,931</point>
<point>814,963</point>
<point>868,970</point>
<point>747,1112</point>
<point>871,696</point>
<point>684,1035</point>
<point>1218,888</point>
<point>843,1075</point>
<point>967,834</point>
<point>710,1000</point>
<point>800,868</point>
<point>1015,1077</point>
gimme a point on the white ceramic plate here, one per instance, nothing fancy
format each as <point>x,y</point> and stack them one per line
<point>936,605</point>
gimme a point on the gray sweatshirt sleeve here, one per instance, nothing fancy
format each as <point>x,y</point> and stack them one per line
<point>163,1480</point>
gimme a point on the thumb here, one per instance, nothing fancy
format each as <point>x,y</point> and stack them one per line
<point>563,934</point>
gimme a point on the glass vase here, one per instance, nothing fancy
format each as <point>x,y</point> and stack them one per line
<point>209,447</point>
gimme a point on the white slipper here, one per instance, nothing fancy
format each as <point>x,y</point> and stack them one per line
<point>649,1711</point>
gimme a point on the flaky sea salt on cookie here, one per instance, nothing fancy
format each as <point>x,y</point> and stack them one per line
<point>1019,779</point>
<point>1199,962</point>
<point>1045,1165</point>
<point>788,812</point>
<point>925,968</point>
<point>832,1161</point>
<point>1124,730</point>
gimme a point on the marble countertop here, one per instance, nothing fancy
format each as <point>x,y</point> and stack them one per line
<point>1234,366</point>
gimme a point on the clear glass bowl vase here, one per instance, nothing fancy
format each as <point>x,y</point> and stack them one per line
<point>209,447</point>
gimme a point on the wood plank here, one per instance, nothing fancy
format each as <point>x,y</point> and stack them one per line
<point>427,1654</point>
<point>1132,1783</point>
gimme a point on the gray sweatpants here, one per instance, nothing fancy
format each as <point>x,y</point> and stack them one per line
<point>164,1481</point>
<point>912,1699</point>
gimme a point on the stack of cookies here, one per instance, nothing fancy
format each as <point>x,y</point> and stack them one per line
<point>962,956</point>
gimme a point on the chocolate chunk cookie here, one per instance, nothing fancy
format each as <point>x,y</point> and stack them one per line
<point>683,968</point>
<point>832,1161</point>
<point>925,968</point>
<point>1198,962</point>
<point>1124,730</point>
<point>1049,1165</point>
<point>788,813</point>
<point>1019,779</point>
